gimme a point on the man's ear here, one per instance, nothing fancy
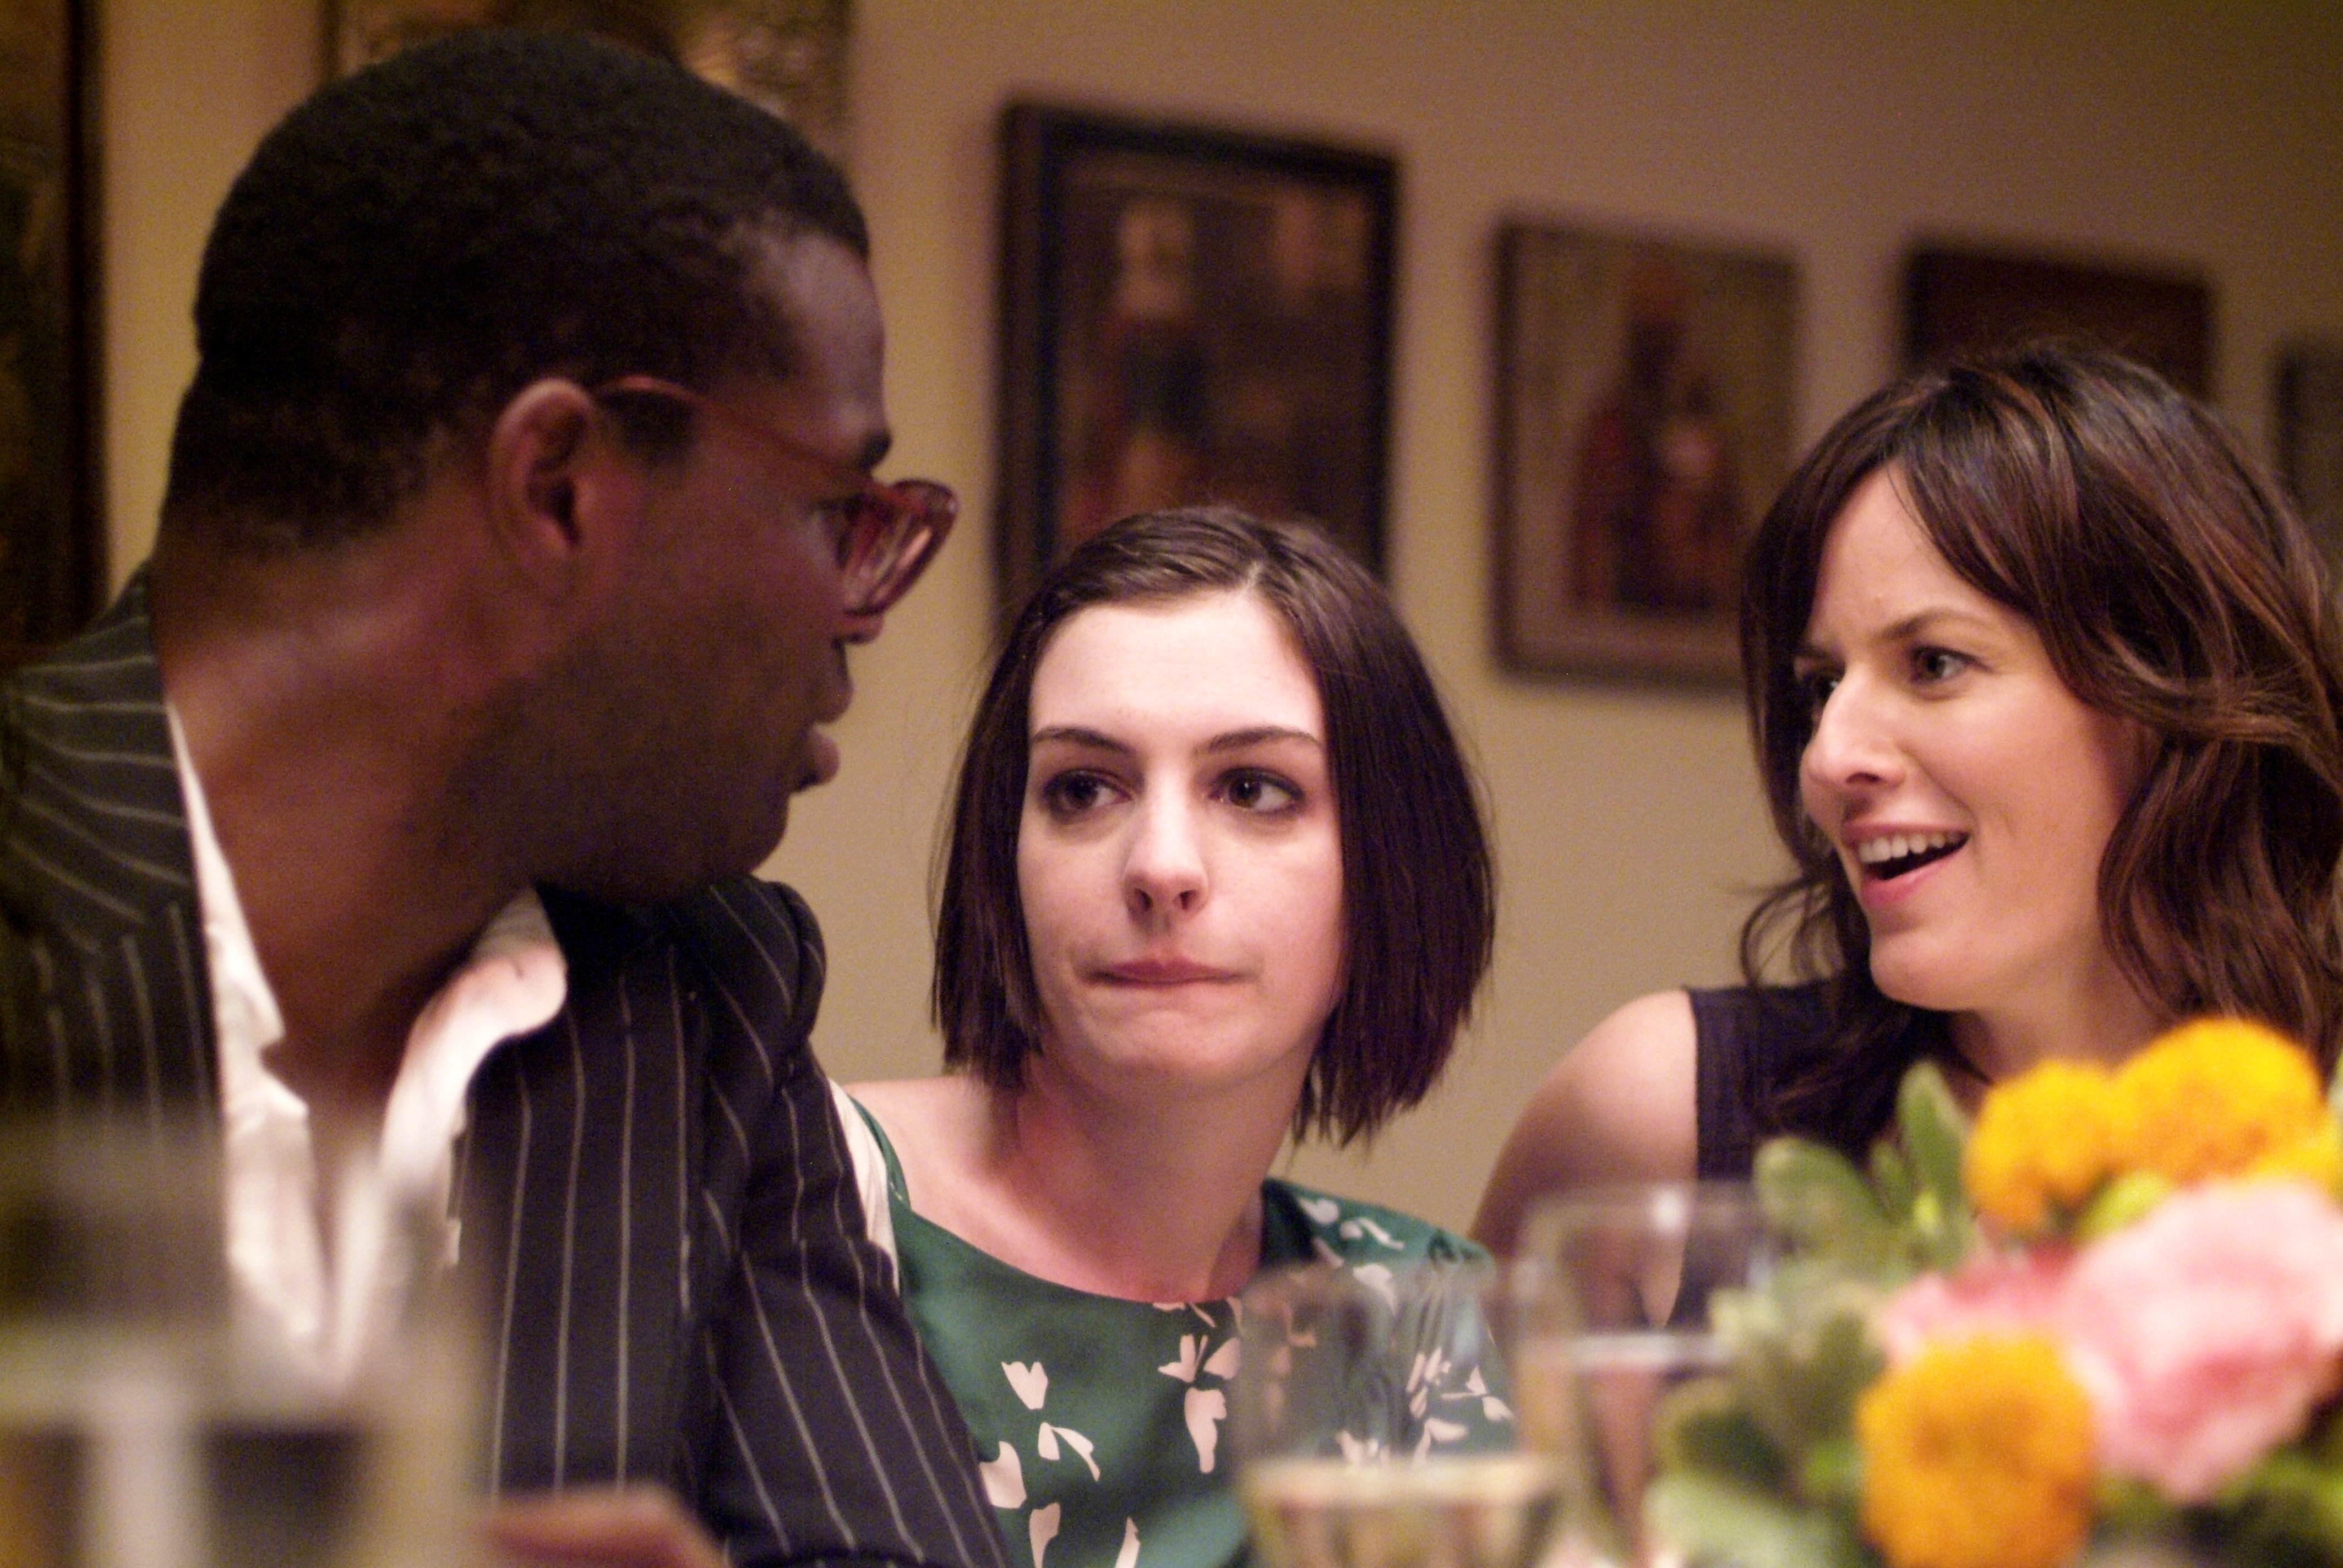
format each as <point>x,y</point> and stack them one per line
<point>559,493</point>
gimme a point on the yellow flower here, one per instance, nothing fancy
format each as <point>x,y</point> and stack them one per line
<point>2218,1097</point>
<point>2318,1159</point>
<point>2044,1142</point>
<point>1976,1454</point>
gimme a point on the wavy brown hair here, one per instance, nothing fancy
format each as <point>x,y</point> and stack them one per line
<point>2171,585</point>
<point>1418,888</point>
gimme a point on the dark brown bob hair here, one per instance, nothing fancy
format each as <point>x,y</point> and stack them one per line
<point>2171,585</point>
<point>1418,890</point>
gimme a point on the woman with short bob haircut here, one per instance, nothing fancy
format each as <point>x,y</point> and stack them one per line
<point>2039,606</point>
<point>1217,877</point>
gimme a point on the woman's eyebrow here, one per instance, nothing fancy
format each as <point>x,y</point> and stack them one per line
<point>1910,628</point>
<point>1075,735</point>
<point>1232,740</point>
<point>1237,740</point>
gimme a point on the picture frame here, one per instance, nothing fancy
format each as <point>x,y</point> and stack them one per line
<point>1645,405</point>
<point>1965,299</point>
<point>1188,313</point>
<point>2309,438</point>
<point>787,57</point>
<point>52,514</point>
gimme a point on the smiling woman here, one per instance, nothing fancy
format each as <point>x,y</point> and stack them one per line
<point>1217,876</point>
<point>2044,682</point>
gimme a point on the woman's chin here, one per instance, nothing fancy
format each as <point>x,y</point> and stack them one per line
<point>1918,981</point>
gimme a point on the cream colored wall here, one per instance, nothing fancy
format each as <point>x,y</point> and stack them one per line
<point>1627,822</point>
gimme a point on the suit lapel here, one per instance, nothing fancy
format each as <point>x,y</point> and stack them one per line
<point>105,1004</point>
<point>579,1160</point>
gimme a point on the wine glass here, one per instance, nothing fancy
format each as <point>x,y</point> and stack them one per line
<point>1636,1267</point>
<point>149,1419</point>
<point>1373,1424</point>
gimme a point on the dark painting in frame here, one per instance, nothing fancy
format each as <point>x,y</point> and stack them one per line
<point>2310,439</point>
<point>1645,407</point>
<point>1189,314</point>
<point>52,519</point>
<point>789,56</point>
<point>1961,300</point>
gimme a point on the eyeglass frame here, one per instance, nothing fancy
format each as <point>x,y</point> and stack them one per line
<point>893,528</point>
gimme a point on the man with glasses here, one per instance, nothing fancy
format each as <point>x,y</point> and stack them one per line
<point>397,821</point>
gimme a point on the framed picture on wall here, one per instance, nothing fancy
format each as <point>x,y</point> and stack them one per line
<point>2310,439</point>
<point>1644,402</point>
<point>785,56</point>
<point>52,539</point>
<point>1960,300</point>
<point>1188,313</point>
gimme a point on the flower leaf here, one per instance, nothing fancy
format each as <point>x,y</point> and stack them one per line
<point>1711,1520</point>
<point>1801,1387</point>
<point>1933,1131</point>
<point>2127,1198</point>
<point>1701,1425</point>
<point>1816,1197</point>
<point>1892,1178</point>
<point>2287,1511</point>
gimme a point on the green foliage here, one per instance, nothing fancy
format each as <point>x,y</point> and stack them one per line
<point>2119,1202</point>
<point>2286,1513</point>
<point>1706,1425</point>
<point>1820,1204</point>
<point>1933,1131</point>
<point>1760,1464</point>
<point>1712,1518</point>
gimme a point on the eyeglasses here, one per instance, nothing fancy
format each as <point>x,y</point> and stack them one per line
<point>892,531</point>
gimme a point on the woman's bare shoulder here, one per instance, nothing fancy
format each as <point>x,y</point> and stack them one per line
<point>930,1122</point>
<point>1617,1107</point>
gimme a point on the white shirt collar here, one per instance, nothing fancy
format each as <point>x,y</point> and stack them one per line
<point>514,980</point>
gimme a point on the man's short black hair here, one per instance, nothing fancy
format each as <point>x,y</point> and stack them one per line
<point>418,242</point>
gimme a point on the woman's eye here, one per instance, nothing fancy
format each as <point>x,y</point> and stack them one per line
<point>1071,794</point>
<point>1250,791</point>
<point>1936,664</point>
<point>1815,688</point>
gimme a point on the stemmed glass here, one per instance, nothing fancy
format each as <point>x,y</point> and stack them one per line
<point>1375,1426</point>
<point>1636,1267</point>
<point>148,1421</point>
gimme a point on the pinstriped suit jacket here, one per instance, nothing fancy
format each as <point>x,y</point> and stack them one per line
<point>653,1188</point>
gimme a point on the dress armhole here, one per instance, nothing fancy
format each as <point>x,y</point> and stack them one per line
<point>1725,1132</point>
<point>866,1157</point>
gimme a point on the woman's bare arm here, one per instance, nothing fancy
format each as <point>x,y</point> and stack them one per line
<point>1617,1107</point>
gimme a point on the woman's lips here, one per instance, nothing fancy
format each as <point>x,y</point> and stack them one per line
<point>1162,971</point>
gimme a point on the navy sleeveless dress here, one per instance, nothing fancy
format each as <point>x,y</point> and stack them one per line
<point>1751,1041</point>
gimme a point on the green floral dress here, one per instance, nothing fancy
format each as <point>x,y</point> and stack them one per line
<point>1098,1420</point>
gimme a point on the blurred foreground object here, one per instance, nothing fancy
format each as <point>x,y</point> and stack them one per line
<point>146,1421</point>
<point>2108,1321</point>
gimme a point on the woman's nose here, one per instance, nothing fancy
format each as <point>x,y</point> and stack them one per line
<point>1853,746</point>
<point>1165,871</point>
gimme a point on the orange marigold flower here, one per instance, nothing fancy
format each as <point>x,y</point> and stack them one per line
<point>2317,1160</point>
<point>2043,1142</point>
<point>2217,1096</point>
<point>1977,1454</point>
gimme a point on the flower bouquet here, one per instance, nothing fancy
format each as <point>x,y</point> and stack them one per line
<point>2109,1315</point>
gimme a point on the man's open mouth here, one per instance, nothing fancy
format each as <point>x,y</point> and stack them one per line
<point>1885,860</point>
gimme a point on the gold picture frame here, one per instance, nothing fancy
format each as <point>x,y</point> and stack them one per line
<point>52,516</point>
<point>1645,402</point>
<point>789,56</point>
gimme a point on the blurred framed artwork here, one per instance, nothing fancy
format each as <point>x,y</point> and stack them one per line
<point>2310,439</point>
<point>785,56</point>
<point>1188,315</point>
<point>1961,300</point>
<point>52,541</point>
<point>1645,393</point>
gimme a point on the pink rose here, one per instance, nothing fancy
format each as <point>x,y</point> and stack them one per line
<point>1994,1294</point>
<point>2206,1333</point>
